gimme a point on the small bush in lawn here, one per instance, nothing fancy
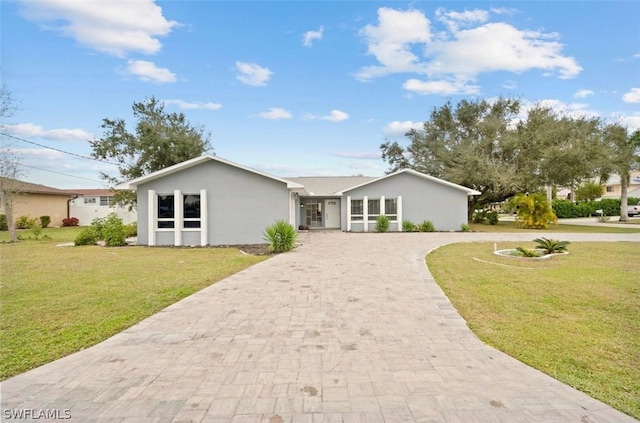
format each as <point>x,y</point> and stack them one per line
<point>45,220</point>
<point>4,225</point>
<point>465,227</point>
<point>131,230</point>
<point>98,223</point>
<point>36,230</point>
<point>71,221</point>
<point>382,223</point>
<point>409,226</point>
<point>281,237</point>
<point>478,216</point>
<point>492,217</point>
<point>551,246</point>
<point>113,231</point>
<point>426,226</point>
<point>525,252</point>
<point>88,236</point>
<point>25,222</point>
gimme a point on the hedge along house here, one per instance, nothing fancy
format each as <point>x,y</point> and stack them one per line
<point>212,201</point>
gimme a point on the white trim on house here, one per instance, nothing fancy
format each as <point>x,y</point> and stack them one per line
<point>469,191</point>
<point>204,221</point>
<point>152,200</point>
<point>131,185</point>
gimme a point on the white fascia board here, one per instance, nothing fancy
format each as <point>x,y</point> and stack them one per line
<point>131,185</point>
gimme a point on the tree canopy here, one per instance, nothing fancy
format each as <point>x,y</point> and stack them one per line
<point>160,140</point>
<point>502,149</point>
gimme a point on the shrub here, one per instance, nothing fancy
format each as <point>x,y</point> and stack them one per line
<point>426,226</point>
<point>131,229</point>
<point>72,221</point>
<point>281,237</point>
<point>4,224</point>
<point>492,217</point>
<point>112,231</point>
<point>565,209</point>
<point>45,220</point>
<point>589,191</point>
<point>25,222</point>
<point>409,226</point>
<point>525,252</point>
<point>478,216</point>
<point>88,236</point>
<point>36,229</point>
<point>465,227</point>
<point>533,211</point>
<point>98,223</point>
<point>382,223</point>
<point>551,246</point>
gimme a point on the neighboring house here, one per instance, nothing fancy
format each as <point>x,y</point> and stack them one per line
<point>212,201</point>
<point>36,200</point>
<point>612,189</point>
<point>98,203</point>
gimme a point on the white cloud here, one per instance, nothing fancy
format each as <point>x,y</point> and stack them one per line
<point>401,127</point>
<point>30,130</point>
<point>390,41</point>
<point>510,85</point>
<point>632,96</point>
<point>404,42</point>
<point>149,72</point>
<point>365,155</point>
<point>186,105</point>
<point>252,74</point>
<point>310,36</point>
<point>632,122</point>
<point>583,93</point>
<point>441,87</point>
<point>575,110</point>
<point>275,113</point>
<point>333,116</point>
<point>113,27</point>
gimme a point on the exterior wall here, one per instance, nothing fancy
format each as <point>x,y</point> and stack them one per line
<point>421,200</point>
<point>36,205</point>
<point>87,212</point>
<point>238,207</point>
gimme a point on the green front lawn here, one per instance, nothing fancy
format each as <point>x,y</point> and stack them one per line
<point>58,300</point>
<point>574,317</point>
<point>508,227</point>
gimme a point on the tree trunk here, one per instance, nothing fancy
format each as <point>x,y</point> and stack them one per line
<point>624,180</point>
<point>7,204</point>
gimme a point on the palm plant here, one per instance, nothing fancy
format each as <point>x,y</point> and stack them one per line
<point>551,246</point>
<point>525,252</point>
<point>281,237</point>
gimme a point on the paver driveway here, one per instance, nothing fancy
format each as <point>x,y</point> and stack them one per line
<point>349,327</point>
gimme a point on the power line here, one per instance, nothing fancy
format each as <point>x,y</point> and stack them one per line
<point>59,173</point>
<point>61,151</point>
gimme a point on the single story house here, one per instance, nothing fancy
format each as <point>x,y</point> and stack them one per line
<point>98,203</point>
<point>211,201</point>
<point>35,200</point>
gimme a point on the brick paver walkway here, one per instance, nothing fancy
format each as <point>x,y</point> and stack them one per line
<point>349,327</point>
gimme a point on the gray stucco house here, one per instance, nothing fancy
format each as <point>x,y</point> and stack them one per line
<point>211,201</point>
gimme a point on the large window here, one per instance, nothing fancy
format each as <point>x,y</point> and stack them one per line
<point>391,208</point>
<point>191,210</point>
<point>166,211</point>
<point>356,210</point>
<point>106,201</point>
<point>373,209</point>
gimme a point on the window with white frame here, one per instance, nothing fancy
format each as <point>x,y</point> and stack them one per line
<point>166,212</point>
<point>609,189</point>
<point>191,210</point>
<point>89,200</point>
<point>391,208</point>
<point>357,210</point>
<point>373,209</point>
<point>106,201</point>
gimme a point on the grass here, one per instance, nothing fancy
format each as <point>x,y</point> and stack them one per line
<point>573,317</point>
<point>510,227</point>
<point>58,300</point>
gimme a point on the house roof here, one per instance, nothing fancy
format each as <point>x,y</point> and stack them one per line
<point>28,187</point>
<point>194,162</point>
<point>329,185</point>
<point>469,191</point>
<point>93,192</point>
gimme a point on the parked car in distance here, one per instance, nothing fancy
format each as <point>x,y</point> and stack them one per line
<point>633,210</point>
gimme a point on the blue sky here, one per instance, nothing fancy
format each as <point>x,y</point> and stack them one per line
<point>299,88</point>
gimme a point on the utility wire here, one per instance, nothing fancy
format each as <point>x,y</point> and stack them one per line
<point>61,151</point>
<point>59,173</point>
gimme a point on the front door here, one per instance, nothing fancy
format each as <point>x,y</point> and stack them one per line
<point>332,213</point>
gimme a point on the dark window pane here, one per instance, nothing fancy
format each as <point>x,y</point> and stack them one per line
<point>192,224</point>
<point>165,207</point>
<point>374,207</point>
<point>192,207</point>
<point>356,206</point>
<point>167,224</point>
<point>390,206</point>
